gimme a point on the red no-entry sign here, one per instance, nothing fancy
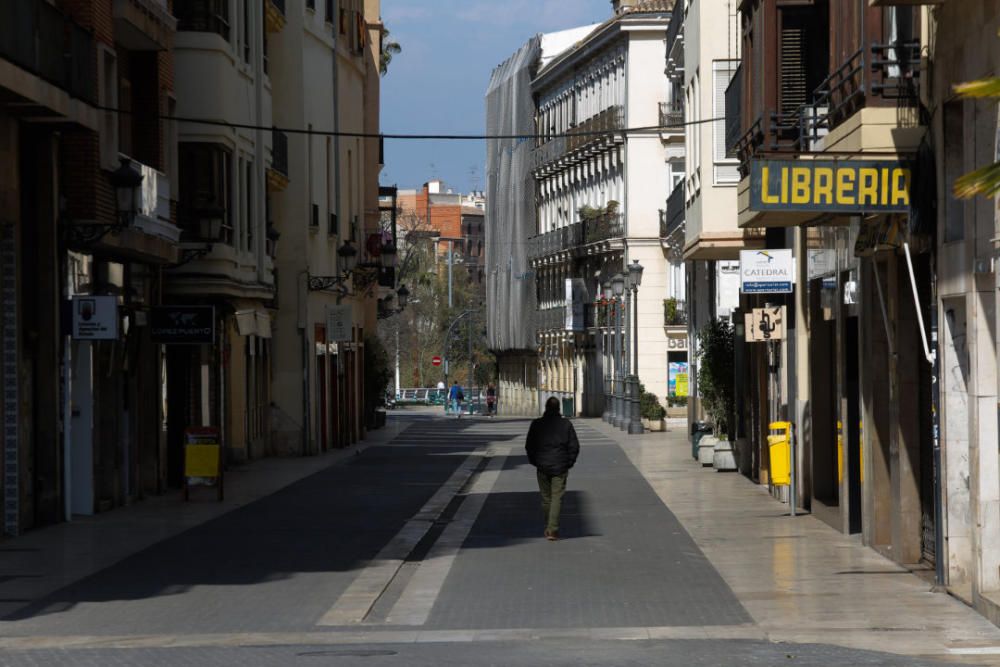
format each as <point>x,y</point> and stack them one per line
<point>436,361</point>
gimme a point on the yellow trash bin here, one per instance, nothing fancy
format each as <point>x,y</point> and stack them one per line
<point>780,445</point>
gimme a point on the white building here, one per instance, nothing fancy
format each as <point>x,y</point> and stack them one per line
<point>703,51</point>
<point>325,62</point>
<point>599,194</point>
<point>221,74</point>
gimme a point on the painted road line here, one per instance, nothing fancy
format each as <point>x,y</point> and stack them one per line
<point>372,637</point>
<point>415,604</point>
<point>976,650</point>
<point>355,603</point>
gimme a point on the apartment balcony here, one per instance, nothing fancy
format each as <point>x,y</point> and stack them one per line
<point>672,121</point>
<point>589,138</point>
<point>602,233</point>
<point>869,104</point>
<point>674,313</point>
<point>675,42</point>
<point>144,25</point>
<point>555,246</point>
<point>151,236</point>
<point>550,319</point>
<point>672,221</point>
<point>37,38</point>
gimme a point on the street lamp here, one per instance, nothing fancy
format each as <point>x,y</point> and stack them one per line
<point>126,180</point>
<point>635,422</point>
<point>403,296</point>
<point>607,346</point>
<point>348,255</point>
<point>618,287</point>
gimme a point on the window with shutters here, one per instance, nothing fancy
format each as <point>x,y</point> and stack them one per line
<point>793,92</point>
<point>725,170</point>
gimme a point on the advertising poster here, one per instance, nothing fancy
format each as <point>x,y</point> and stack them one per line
<point>677,378</point>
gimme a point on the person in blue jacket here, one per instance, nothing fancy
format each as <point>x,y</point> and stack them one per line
<point>455,398</point>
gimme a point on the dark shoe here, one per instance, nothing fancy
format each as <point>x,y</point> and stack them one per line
<point>552,535</point>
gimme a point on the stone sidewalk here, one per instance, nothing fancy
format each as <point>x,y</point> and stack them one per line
<point>44,560</point>
<point>800,580</point>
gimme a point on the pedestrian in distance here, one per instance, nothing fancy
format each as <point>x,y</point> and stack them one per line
<point>491,401</point>
<point>552,448</point>
<point>455,398</point>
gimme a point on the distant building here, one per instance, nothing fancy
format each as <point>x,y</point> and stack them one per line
<point>453,220</point>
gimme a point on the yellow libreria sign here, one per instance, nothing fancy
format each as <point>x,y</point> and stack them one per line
<point>865,186</point>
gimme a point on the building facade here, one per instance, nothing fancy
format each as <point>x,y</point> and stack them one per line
<point>117,215</point>
<point>599,202</point>
<point>888,367</point>
<point>222,74</point>
<point>88,228</point>
<point>327,215</point>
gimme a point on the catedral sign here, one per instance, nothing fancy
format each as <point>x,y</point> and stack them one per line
<point>855,186</point>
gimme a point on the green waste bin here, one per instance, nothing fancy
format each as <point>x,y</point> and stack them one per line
<point>567,408</point>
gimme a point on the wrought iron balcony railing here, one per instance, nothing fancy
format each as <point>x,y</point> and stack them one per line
<point>603,227</point>
<point>878,75</point>
<point>597,130</point>
<point>674,313</point>
<point>672,218</point>
<point>672,115</point>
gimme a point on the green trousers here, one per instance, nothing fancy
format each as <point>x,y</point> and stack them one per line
<point>552,488</point>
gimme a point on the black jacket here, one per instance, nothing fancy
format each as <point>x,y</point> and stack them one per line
<point>552,446</point>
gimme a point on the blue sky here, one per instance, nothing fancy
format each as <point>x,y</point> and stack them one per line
<point>437,84</point>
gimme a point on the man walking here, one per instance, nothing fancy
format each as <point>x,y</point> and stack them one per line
<point>455,397</point>
<point>552,448</point>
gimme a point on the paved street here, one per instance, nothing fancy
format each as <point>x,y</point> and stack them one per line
<point>425,548</point>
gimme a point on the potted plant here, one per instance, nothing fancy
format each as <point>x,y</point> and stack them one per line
<point>716,385</point>
<point>652,411</point>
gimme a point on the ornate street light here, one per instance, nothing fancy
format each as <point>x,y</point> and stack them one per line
<point>390,258</point>
<point>348,255</point>
<point>402,296</point>
<point>608,348</point>
<point>126,181</point>
<point>618,287</point>
<point>635,416</point>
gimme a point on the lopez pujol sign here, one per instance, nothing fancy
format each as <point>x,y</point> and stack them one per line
<point>766,271</point>
<point>183,325</point>
<point>830,186</point>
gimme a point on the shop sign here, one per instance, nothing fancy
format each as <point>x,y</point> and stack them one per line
<point>828,186</point>
<point>95,317</point>
<point>763,325</point>
<point>677,343</point>
<point>183,325</point>
<point>339,323</point>
<point>766,271</point>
